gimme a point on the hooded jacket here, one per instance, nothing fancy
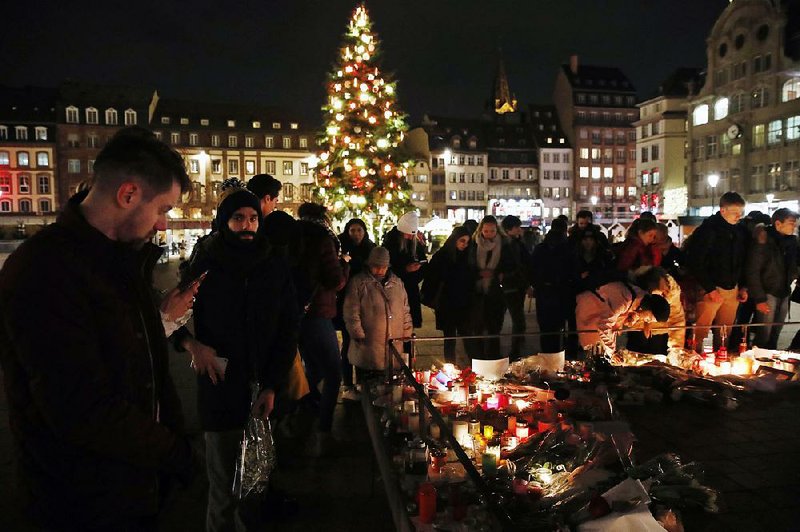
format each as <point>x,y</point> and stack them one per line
<point>772,266</point>
<point>375,312</point>
<point>92,407</point>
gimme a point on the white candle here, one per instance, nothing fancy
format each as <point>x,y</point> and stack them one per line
<point>460,431</point>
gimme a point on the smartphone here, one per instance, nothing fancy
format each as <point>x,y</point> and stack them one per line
<point>196,281</point>
<point>423,261</point>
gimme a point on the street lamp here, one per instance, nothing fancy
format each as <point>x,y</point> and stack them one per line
<point>770,199</point>
<point>593,199</point>
<point>713,180</point>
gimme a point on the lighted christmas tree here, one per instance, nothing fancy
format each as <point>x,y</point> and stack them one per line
<point>361,170</point>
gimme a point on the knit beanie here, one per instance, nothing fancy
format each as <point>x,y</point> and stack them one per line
<point>378,257</point>
<point>408,223</point>
<point>233,197</point>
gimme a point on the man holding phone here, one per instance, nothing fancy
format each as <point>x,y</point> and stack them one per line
<point>94,413</point>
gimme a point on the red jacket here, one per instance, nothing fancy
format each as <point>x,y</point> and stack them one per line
<point>634,254</point>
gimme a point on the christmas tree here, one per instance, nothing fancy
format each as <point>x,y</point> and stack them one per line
<point>361,170</point>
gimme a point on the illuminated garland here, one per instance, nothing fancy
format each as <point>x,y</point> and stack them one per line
<point>361,171</point>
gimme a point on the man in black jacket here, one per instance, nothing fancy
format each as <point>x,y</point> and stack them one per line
<point>771,268</point>
<point>715,257</point>
<point>517,283</point>
<point>246,321</point>
<point>93,410</point>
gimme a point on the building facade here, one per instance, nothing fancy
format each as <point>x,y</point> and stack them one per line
<point>87,116</point>
<point>555,162</point>
<point>661,168</point>
<point>222,141</point>
<point>27,160</point>
<point>596,107</point>
<point>744,126</point>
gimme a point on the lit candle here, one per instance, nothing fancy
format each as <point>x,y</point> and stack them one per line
<point>512,424</point>
<point>460,432</point>
<point>522,430</point>
<point>725,367</point>
<point>488,432</point>
<point>493,403</point>
<point>474,427</point>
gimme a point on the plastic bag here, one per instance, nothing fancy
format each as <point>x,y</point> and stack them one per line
<point>257,458</point>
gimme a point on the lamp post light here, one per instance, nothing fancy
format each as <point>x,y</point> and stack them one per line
<point>770,199</point>
<point>713,180</point>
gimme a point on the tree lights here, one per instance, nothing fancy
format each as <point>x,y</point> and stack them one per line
<point>361,172</point>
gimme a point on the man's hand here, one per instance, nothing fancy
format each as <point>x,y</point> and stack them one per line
<point>742,295</point>
<point>764,308</point>
<point>204,360</point>
<point>176,303</point>
<point>413,266</point>
<point>264,404</point>
<point>714,296</point>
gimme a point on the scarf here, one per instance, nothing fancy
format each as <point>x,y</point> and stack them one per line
<point>487,254</point>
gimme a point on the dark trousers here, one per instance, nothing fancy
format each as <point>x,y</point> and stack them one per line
<point>487,319</point>
<point>516,308</point>
<point>553,314</point>
<point>744,315</point>
<point>347,367</point>
<point>454,322</point>
<point>319,349</point>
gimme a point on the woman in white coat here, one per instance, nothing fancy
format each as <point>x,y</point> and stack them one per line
<point>375,311</point>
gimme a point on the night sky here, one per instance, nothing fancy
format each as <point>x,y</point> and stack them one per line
<point>443,52</point>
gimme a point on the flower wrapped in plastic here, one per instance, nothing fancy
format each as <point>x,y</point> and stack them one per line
<point>257,458</point>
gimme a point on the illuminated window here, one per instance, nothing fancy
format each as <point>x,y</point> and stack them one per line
<point>791,90</point>
<point>112,118</point>
<point>130,117</point>
<point>72,115</point>
<point>700,115</point>
<point>720,108</point>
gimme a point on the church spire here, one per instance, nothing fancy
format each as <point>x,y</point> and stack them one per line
<point>504,101</point>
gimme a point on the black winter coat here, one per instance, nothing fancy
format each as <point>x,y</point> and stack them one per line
<point>715,254</point>
<point>92,407</point>
<point>553,268</point>
<point>401,257</point>
<point>246,309</point>
<point>449,281</point>
<point>771,267</point>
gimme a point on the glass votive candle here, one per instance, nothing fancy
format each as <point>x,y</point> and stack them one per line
<point>489,463</point>
<point>493,402</point>
<point>474,426</point>
<point>488,431</point>
<point>512,424</point>
<point>522,430</point>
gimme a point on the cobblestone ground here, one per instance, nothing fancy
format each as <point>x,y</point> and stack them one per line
<point>750,454</point>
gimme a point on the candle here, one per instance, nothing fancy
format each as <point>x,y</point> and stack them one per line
<point>725,367</point>
<point>489,463</point>
<point>426,375</point>
<point>522,430</point>
<point>493,403</point>
<point>450,370</point>
<point>474,427</point>
<point>397,394</point>
<point>488,432</point>
<point>413,422</point>
<point>520,486</point>
<point>435,431</point>
<point>426,496</point>
<point>409,406</point>
<point>460,432</point>
<point>512,424</point>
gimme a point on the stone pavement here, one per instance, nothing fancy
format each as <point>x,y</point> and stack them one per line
<point>750,454</point>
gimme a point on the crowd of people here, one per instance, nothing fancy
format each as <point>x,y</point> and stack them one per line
<point>95,417</point>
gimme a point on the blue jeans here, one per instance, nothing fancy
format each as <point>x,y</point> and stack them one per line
<point>319,349</point>
<point>767,337</point>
